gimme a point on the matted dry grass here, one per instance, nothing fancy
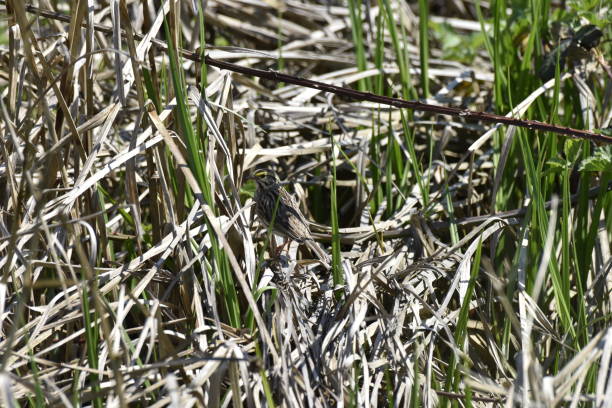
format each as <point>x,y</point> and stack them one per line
<point>126,280</point>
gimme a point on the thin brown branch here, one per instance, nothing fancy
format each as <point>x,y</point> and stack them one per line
<point>415,105</point>
<point>354,94</point>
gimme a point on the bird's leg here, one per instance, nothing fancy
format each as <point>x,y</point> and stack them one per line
<point>276,250</point>
<point>273,246</point>
<point>285,244</point>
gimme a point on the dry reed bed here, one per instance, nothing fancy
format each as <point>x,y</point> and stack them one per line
<point>95,229</point>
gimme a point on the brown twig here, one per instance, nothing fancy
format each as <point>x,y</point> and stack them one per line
<point>402,103</point>
<point>354,94</point>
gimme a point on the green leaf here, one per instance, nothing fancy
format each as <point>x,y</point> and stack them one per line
<point>557,165</point>
<point>571,148</point>
<point>601,160</point>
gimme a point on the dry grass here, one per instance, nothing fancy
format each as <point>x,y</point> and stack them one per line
<point>470,266</point>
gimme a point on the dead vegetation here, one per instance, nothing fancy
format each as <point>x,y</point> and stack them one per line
<point>466,270</point>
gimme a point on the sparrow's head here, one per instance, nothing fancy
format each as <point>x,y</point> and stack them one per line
<point>264,178</point>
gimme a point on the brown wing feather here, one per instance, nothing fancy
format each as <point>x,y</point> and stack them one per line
<point>288,220</point>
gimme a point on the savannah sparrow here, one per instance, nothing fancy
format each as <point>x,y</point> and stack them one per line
<point>285,217</point>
